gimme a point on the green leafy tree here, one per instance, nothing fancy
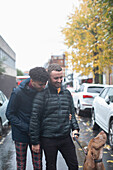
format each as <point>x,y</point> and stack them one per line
<point>19,73</point>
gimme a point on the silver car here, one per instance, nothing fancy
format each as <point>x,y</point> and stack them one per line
<point>102,112</point>
<point>3,107</point>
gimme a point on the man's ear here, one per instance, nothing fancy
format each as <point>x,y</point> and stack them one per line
<point>31,81</point>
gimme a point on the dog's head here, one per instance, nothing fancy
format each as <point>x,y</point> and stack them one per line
<point>95,146</point>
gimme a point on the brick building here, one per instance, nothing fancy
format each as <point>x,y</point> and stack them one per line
<point>59,59</point>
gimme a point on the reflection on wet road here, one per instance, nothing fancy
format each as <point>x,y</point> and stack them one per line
<point>7,150</point>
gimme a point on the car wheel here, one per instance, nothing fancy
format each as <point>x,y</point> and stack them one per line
<point>94,126</point>
<point>78,111</point>
<point>0,127</point>
<point>110,135</point>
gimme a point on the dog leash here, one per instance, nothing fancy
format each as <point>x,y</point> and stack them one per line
<point>96,161</point>
<point>79,143</point>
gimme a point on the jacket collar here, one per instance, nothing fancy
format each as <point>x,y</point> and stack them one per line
<point>53,89</point>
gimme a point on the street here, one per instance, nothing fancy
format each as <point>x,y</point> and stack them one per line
<point>7,150</point>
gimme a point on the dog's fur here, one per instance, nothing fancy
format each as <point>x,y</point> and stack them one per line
<point>95,152</point>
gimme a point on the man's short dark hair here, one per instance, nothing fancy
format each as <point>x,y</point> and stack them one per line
<point>39,74</point>
<point>54,67</point>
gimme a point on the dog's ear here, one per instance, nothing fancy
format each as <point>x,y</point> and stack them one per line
<point>97,143</point>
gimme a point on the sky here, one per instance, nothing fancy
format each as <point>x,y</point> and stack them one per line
<point>32,28</point>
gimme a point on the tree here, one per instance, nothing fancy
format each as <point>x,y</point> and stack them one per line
<point>87,37</point>
<point>107,6</point>
<point>19,73</point>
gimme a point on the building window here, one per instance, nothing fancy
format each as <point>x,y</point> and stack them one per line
<point>8,60</point>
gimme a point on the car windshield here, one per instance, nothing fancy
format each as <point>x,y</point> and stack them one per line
<point>94,89</point>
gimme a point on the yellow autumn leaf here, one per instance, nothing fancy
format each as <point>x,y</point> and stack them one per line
<point>80,166</point>
<point>109,161</point>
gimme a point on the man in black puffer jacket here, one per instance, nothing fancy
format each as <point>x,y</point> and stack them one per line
<point>19,112</point>
<point>50,125</point>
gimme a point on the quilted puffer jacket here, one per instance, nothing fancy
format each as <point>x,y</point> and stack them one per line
<point>50,115</point>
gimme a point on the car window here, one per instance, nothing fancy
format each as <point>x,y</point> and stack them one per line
<point>110,92</point>
<point>94,89</point>
<point>103,93</point>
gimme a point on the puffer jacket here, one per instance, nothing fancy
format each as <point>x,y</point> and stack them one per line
<point>50,115</point>
<point>19,111</point>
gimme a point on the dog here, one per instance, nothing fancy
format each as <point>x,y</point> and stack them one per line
<point>93,159</point>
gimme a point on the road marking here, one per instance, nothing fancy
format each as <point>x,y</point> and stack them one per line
<point>9,133</point>
<point>2,141</point>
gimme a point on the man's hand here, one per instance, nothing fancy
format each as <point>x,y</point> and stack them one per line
<point>73,134</point>
<point>70,116</point>
<point>36,148</point>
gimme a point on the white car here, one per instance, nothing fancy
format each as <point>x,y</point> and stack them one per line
<point>3,107</point>
<point>72,90</point>
<point>102,112</point>
<point>83,99</point>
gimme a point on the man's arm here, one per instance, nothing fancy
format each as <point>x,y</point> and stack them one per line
<point>12,111</point>
<point>74,123</point>
<point>35,121</point>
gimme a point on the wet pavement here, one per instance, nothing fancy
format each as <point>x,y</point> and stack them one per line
<point>86,133</point>
<point>7,149</point>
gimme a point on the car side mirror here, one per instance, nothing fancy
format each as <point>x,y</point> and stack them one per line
<point>111,99</point>
<point>1,103</point>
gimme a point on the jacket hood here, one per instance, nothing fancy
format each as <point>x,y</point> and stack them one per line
<point>23,83</point>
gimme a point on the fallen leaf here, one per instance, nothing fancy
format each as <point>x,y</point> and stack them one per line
<point>107,147</point>
<point>109,161</point>
<point>80,166</point>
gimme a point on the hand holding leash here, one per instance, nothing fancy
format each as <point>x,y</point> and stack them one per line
<point>75,133</point>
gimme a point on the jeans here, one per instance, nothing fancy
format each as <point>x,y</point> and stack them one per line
<point>51,146</point>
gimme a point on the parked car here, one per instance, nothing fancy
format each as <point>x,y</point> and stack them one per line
<point>3,106</point>
<point>72,90</point>
<point>102,112</point>
<point>83,99</point>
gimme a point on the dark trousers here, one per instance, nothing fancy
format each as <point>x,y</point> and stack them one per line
<point>51,146</point>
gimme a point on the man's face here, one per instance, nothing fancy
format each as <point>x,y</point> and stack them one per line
<point>56,78</point>
<point>38,85</point>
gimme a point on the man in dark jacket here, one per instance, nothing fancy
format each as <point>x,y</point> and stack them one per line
<point>50,125</point>
<point>18,113</point>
